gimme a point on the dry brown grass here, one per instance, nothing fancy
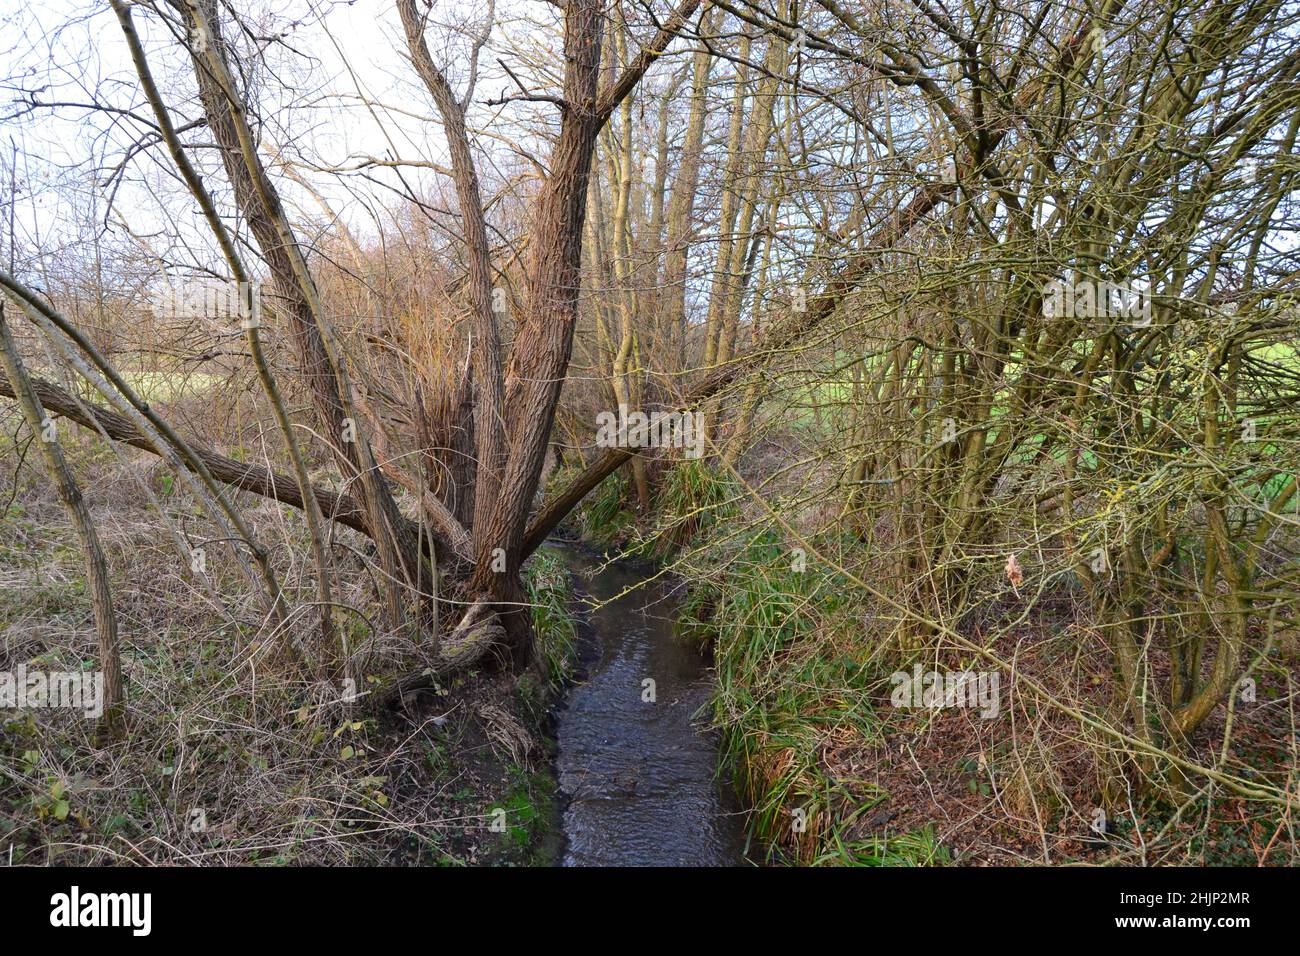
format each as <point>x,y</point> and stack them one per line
<point>234,754</point>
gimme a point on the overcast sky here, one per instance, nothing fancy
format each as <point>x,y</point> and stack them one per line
<point>334,56</point>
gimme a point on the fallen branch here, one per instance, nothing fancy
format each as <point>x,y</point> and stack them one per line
<point>246,477</point>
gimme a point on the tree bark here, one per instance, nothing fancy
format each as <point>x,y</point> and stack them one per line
<point>489,430</point>
<point>97,583</point>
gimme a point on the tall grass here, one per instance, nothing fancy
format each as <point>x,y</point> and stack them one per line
<point>693,498</point>
<point>793,672</point>
<point>550,593</point>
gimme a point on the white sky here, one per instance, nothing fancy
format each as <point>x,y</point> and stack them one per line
<point>334,54</point>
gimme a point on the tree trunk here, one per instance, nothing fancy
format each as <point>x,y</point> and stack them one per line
<point>97,584</point>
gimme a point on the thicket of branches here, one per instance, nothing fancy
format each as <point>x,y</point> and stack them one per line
<point>764,212</point>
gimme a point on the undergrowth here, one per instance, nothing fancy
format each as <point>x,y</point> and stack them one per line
<point>232,756</point>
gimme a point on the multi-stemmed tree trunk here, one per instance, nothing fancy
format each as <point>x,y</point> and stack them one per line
<point>544,336</point>
<point>513,407</point>
<point>508,413</point>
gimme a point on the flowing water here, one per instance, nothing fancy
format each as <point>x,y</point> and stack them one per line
<point>640,777</point>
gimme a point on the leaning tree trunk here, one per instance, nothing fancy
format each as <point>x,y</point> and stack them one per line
<point>101,596</point>
<point>323,368</point>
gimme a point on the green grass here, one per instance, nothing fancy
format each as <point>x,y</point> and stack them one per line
<point>792,667</point>
<point>550,592</point>
<point>163,386</point>
<point>917,848</point>
<point>602,517</point>
<point>693,498</point>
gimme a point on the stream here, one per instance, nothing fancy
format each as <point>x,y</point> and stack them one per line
<point>639,778</point>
